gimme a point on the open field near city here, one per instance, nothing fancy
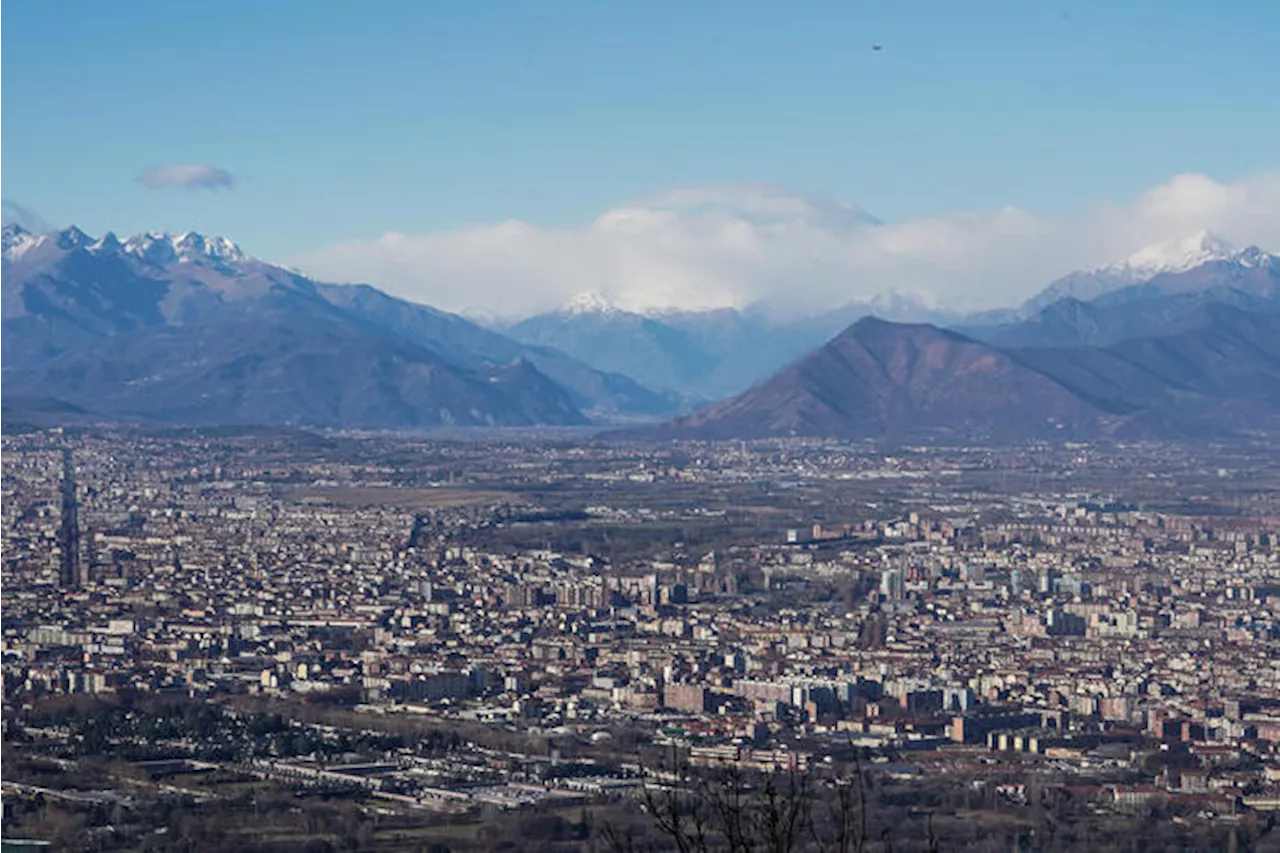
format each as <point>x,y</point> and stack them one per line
<point>401,498</point>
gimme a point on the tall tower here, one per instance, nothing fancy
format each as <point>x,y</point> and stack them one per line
<point>70,574</point>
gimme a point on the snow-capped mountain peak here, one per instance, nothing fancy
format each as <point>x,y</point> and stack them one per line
<point>163,248</point>
<point>193,247</point>
<point>154,248</point>
<point>73,238</point>
<point>106,243</point>
<point>1169,256</point>
<point>18,241</point>
<point>589,302</point>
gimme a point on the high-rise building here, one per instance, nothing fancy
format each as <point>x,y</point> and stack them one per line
<point>892,584</point>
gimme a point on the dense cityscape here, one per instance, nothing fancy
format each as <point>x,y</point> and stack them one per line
<point>427,642</point>
<point>455,427</point>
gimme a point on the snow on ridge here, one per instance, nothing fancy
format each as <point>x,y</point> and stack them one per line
<point>18,241</point>
<point>590,302</point>
<point>1173,256</point>
<point>163,247</point>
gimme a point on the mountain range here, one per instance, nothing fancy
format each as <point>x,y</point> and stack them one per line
<point>1179,339</point>
<point>187,328</point>
<point>700,355</point>
<point>705,356</point>
<point>1141,295</point>
<point>1213,373</point>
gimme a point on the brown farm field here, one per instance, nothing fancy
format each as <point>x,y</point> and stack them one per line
<point>402,498</point>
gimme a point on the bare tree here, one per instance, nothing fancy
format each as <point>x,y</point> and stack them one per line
<point>844,829</point>
<point>733,808</point>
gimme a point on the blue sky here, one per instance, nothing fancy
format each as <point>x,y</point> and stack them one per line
<point>344,120</point>
<point>324,126</point>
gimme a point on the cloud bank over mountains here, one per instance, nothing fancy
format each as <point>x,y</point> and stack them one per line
<point>718,246</point>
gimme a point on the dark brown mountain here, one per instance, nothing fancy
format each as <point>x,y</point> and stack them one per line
<point>1216,373</point>
<point>879,379</point>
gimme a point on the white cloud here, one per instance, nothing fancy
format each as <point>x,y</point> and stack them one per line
<point>191,176</point>
<point>731,245</point>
